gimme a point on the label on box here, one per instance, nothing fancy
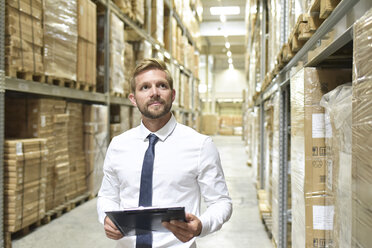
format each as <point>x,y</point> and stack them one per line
<point>43,121</point>
<point>318,130</point>
<point>323,217</point>
<point>19,150</point>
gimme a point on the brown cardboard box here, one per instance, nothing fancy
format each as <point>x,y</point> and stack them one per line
<point>209,124</point>
<point>319,221</point>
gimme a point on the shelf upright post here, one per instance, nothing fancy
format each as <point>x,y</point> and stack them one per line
<point>283,166</point>
<point>2,119</point>
<point>106,84</point>
<point>262,143</point>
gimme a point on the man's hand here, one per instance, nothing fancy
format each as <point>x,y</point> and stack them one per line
<point>185,231</point>
<point>110,229</point>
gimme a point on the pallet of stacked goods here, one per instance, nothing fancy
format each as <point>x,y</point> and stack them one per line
<point>25,165</point>
<point>138,9</point>
<point>86,46</point>
<point>95,144</point>
<point>119,119</point>
<point>338,122</point>
<point>126,7</point>
<point>77,185</point>
<point>24,40</point>
<point>312,218</point>
<point>60,42</point>
<point>362,134</point>
<point>129,65</point>
<point>116,64</point>
<point>157,20</point>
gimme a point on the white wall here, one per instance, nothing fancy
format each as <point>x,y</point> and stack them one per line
<point>229,84</point>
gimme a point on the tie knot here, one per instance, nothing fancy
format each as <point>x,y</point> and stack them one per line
<point>152,138</point>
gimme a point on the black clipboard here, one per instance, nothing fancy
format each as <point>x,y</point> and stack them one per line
<point>142,220</point>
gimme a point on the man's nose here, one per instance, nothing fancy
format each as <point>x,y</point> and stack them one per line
<point>154,91</point>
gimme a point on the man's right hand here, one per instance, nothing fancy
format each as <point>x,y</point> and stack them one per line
<point>110,229</point>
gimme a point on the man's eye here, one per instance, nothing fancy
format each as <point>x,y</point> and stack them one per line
<point>163,86</point>
<point>144,87</point>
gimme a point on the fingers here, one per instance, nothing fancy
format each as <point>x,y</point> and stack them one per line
<point>185,231</point>
<point>111,231</point>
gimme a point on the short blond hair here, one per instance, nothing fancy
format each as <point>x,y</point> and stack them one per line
<point>150,64</point>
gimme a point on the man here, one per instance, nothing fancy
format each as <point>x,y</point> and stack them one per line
<point>185,167</point>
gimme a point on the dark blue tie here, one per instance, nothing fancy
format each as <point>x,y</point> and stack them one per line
<point>145,197</point>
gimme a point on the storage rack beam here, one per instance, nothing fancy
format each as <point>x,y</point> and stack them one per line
<point>2,119</point>
<point>339,12</point>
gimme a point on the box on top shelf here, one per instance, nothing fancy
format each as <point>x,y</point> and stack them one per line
<point>60,39</point>
<point>138,9</point>
<point>157,20</point>
<point>87,39</point>
<point>24,39</point>
<point>362,133</point>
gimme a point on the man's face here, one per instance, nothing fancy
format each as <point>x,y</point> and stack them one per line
<point>153,95</point>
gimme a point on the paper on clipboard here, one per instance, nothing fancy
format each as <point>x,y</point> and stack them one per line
<point>141,220</point>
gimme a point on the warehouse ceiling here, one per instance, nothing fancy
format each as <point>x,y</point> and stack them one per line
<point>216,33</point>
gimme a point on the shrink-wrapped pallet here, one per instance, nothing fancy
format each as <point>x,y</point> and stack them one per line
<point>60,38</point>
<point>95,144</point>
<point>362,134</point>
<point>308,151</point>
<point>24,39</point>
<point>77,183</point>
<point>337,104</point>
<point>25,164</point>
<point>116,49</point>
<point>87,40</point>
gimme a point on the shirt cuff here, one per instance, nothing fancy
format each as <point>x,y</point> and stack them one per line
<point>205,226</point>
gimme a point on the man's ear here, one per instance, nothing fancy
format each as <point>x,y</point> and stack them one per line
<point>132,99</point>
<point>173,95</point>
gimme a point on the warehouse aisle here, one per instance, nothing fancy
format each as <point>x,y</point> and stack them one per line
<point>79,228</point>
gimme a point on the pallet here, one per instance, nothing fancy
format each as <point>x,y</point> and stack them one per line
<point>85,86</point>
<point>63,82</point>
<point>25,75</point>
<point>9,236</point>
<point>117,94</point>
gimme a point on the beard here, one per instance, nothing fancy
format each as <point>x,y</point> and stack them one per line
<point>160,111</point>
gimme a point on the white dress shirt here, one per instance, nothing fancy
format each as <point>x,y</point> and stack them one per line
<point>186,166</point>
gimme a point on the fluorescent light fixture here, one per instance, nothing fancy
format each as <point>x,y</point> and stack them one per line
<point>229,60</point>
<point>222,18</point>
<point>225,10</point>
<point>229,53</point>
<point>231,67</point>
<point>157,47</point>
<point>227,45</point>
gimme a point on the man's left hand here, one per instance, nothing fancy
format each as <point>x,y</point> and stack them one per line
<point>185,231</point>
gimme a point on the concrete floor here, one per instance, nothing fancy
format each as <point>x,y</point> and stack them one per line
<point>79,228</point>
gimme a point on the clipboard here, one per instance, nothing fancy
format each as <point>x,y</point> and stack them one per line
<point>142,220</point>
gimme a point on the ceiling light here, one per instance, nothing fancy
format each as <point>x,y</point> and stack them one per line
<point>227,45</point>
<point>222,18</point>
<point>157,47</point>
<point>229,53</point>
<point>229,60</point>
<point>226,10</point>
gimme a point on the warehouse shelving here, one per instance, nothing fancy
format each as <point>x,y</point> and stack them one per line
<point>10,84</point>
<point>334,35</point>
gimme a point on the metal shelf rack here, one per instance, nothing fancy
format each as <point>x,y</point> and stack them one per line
<point>335,33</point>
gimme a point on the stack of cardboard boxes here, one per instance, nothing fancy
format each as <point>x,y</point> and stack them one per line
<point>24,38</point>
<point>362,134</point>
<point>157,20</point>
<point>312,216</point>
<point>86,46</point>
<point>25,164</point>
<point>60,39</point>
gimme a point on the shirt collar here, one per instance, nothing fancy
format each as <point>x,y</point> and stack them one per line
<point>162,133</point>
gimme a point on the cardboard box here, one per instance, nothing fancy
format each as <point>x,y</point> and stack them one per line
<point>209,124</point>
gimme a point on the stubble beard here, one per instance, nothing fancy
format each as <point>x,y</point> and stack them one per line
<point>153,114</point>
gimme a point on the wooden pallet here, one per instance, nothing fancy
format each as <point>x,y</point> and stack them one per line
<point>25,75</point>
<point>85,86</point>
<point>63,82</point>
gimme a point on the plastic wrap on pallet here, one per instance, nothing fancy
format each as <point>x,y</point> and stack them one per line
<point>24,38</point>
<point>362,133</point>
<point>275,168</point>
<point>338,107</point>
<point>95,144</point>
<point>308,146</point>
<point>60,38</point>
<point>274,25</point>
<point>25,164</point>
